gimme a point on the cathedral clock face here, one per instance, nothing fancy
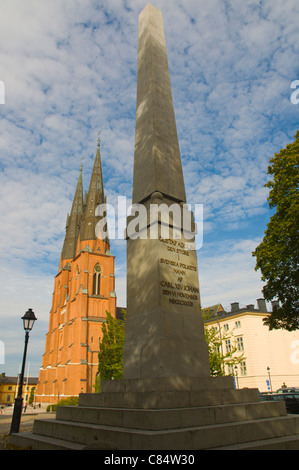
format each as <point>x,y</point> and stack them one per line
<point>97,269</point>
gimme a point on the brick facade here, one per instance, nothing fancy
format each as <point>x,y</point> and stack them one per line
<point>84,289</point>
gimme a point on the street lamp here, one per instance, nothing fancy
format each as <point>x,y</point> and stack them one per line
<point>268,369</point>
<point>28,322</point>
<point>236,375</point>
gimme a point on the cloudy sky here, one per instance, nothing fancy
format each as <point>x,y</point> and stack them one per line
<point>69,70</point>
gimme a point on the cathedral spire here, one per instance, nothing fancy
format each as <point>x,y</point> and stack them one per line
<point>94,197</point>
<point>73,222</point>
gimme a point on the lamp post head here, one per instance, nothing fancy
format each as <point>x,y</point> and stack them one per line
<point>28,320</point>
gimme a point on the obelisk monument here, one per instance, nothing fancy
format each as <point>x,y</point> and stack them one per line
<point>164,334</point>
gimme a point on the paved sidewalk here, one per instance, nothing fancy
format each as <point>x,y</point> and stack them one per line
<point>27,421</point>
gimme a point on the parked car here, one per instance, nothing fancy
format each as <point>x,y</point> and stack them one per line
<point>291,400</point>
<point>288,390</point>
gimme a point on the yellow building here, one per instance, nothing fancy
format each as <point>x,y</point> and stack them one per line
<point>270,357</point>
<point>9,388</point>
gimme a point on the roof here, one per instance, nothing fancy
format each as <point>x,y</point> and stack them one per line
<point>14,380</point>
<point>221,315</point>
<point>213,309</point>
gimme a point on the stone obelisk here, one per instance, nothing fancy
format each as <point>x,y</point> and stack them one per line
<point>157,161</point>
<point>164,334</point>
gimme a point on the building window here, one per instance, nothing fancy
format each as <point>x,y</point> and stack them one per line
<point>238,324</point>
<point>97,280</point>
<point>226,327</point>
<point>243,368</point>
<point>228,345</point>
<point>240,343</point>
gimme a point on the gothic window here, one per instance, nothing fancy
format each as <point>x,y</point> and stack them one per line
<point>97,280</point>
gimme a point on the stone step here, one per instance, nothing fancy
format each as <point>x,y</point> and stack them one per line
<point>189,438</point>
<point>167,398</point>
<point>278,443</point>
<point>28,440</point>
<point>163,384</point>
<point>170,418</point>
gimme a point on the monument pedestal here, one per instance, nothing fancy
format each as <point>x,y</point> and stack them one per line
<point>164,332</point>
<point>165,392</point>
<point>167,414</point>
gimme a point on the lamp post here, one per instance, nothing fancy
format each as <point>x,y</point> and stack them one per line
<point>236,375</point>
<point>28,322</point>
<point>268,369</point>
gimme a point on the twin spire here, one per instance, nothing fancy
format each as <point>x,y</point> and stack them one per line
<point>81,221</point>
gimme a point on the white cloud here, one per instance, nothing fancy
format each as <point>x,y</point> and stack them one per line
<point>226,273</point>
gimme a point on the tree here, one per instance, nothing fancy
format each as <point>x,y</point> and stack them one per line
<point>111,350</point>
<point>31,396</point>
<point>277,256</point>
<point>216,339</point>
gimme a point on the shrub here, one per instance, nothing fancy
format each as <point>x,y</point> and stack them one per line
<point>71,401</point>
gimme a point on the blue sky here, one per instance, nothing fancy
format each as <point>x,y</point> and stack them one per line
<point>69,69</point>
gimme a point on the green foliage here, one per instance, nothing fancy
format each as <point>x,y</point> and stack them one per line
<point>219,356</point>
<point>51,408</point>
<point>277,256</point>
<point>111,350</point>
<point>31,396</point>
<point>70,401</point>
<point>97,384</point>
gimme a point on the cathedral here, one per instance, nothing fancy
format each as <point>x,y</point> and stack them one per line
<point>84,290</point>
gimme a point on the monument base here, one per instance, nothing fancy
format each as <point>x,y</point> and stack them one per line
<point>175,413</point>
<point>163,392</point>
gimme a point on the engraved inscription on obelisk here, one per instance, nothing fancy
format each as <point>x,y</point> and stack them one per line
<point>164,334</point>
